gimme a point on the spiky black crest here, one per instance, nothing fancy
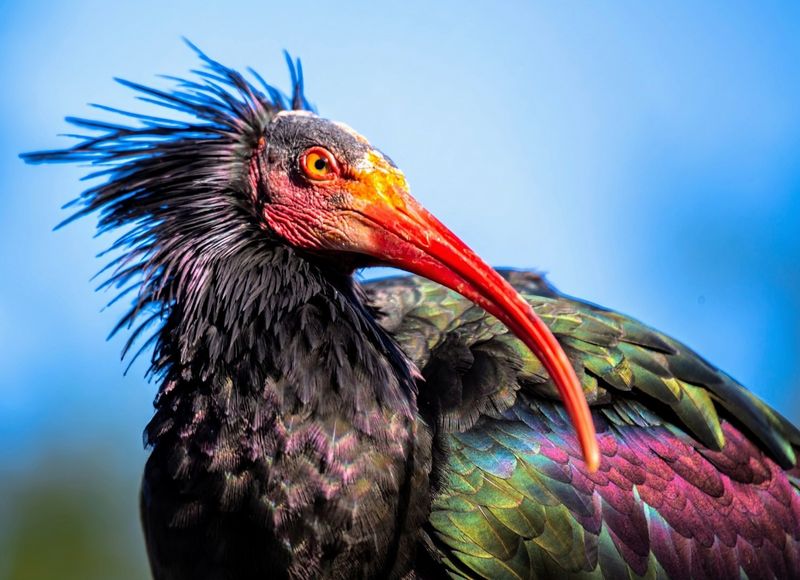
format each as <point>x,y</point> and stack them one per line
<point>178,189</point>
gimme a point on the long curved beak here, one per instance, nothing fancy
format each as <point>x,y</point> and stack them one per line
<point>399,232</point>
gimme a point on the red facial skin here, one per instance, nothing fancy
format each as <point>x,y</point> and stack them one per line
<point>367,210</point>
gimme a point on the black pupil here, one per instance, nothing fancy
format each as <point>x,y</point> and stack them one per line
<point>320,164</point>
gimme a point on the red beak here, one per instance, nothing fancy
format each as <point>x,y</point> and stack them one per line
<point>401,233</point>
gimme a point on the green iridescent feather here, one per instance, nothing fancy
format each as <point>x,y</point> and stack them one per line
<point>516,500</point>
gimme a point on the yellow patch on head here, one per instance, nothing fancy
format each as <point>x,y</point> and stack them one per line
<point>386,184</point>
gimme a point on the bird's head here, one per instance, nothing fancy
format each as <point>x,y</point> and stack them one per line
<point>253,162</point>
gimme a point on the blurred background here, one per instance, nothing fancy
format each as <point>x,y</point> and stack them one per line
<point>647,158</point>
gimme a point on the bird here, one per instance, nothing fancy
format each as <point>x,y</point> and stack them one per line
<point>459,422</point>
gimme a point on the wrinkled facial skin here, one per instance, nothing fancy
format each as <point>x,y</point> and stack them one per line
<point>324,214</point>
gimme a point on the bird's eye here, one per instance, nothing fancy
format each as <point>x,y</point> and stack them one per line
<point>319,164</point>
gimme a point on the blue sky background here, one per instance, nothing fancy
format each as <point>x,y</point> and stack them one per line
<point>646,157</point>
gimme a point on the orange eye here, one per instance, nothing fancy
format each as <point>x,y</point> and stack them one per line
<point>319,164</point>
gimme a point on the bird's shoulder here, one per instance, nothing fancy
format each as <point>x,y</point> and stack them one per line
<point>698,477</point>
<point>474,367</point>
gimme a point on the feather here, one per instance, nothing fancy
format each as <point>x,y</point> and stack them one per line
<point>692,474</point>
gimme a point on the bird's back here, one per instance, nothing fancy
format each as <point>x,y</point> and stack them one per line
<point>698,477</point>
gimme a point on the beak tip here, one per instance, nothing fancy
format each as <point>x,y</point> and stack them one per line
<point>592,458</point>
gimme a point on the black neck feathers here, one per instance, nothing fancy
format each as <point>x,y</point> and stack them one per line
<point>270,316</point>
<point>285,426</point>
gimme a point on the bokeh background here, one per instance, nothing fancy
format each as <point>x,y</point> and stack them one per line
<point>646,157</point>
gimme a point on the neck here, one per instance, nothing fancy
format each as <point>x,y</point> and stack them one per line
<point>281,320</point>
<point>276,372</point>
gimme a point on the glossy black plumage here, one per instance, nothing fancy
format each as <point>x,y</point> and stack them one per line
<point>314,464</point>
